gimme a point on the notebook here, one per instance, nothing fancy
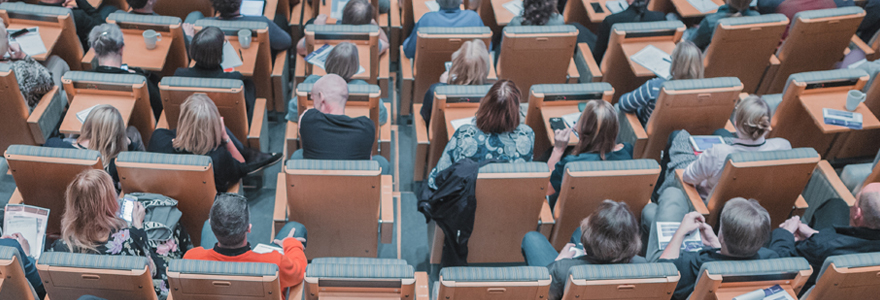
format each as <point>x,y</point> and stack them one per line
<point>616,6</point>
<point>432,5</point>
<point>515,7</point>
<point>253,8</point>
<point>31,42</point>
<point>655,60</point>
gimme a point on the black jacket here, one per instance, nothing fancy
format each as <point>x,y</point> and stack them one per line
<point>453,206</point>
<point>85,17</point>
<point>152,85</point>
<point>217,72</point>
<point>631,14</point>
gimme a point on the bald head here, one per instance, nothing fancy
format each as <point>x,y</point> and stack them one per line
<point>866,211</point>
<point>330,94</point>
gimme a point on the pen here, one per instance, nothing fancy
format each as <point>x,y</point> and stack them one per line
<point>240,55</point>
<point>19,33</point>
<point>667,60</point>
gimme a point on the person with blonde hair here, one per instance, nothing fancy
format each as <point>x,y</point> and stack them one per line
<point>470,66</point>
<point>687,63</point>
<point>200,130</point>
<point>105,132</point>
<point>732,9</point>
<point>597,130</point>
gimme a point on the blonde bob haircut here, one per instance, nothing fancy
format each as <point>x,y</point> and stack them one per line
<point>89,211</point>
<point>105,131</point>
<point>470,64</point>
<point>199,128</point>
<point>687,61</point>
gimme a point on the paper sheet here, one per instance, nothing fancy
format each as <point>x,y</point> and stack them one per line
<point>319,57</point>
<point>83,114</point>
<point>31,42</point>
<point>616,6</point>
<point>571,119</point>
<point>515,7</point>
<point>252,8</point>
<point>432,5</point>
<point>338,5</point>
<point>30,222</point>
<point>775,292</point>
<point>665,230</point>
<point>655,60</point>
<point>231,58</point>
<point>263,249</point>
<point>704,6</point>
<point>461,122</point>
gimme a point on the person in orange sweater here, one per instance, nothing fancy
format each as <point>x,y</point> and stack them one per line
<point>224,238</point>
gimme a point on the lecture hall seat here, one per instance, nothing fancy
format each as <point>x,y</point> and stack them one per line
<point>365,37</point>
<point>451,102</point>
<point>851,276</point>
<point>483,283</point>
<point>68,276</point>
<point>52,21</point>
<point>14,284</point>
<point>537,55</point>
<point>20,126</point>
<point>217,280</point>
<point>91,88</point>
<point>168,27</point>
<point>548,101</point>
<point>363,278</point>
<point>649,281</point>
<point>725,55</point>
<point>728,279</point>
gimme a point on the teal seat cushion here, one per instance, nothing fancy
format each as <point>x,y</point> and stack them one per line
<point>612,165</point>
<point>573,89</point>
<point>196,82</point>
<point>455,30</point>
<point>493,274</point>
<point>748,20</point>
<point>358,261</point>
<point>335,165</point>
<point>365,271</point>
<point>462,90</point>
<point>525,167</point>
<point>353,89</point>
<point>162,158</point>
<point>124,17</point>
<point>752,156</point>
<point>207,267</point>
<point>699,84</point>
<point>26,150</point>
<point>34,9</point>
<point>756,267</point>
<point>623,271</point>
<point>108,78</point>
<point>93,261</point>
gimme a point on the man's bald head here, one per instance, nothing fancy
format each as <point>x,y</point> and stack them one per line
<point>330,94</point>
<point>866,211</point>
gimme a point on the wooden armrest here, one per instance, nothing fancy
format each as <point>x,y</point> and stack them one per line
<point>16,197</point>
<point>641,137</point>
<point>546,221</point>
<point>296,292</point>
<point>299,69</point>
<point>406,67</point>
<point>257,123</point>
<point>769,75</point>
<point>290,139</point>
<point>801,203</point>
<point>422,290</point>
<point>34,118</point>
<point>592,66</point>
<point>743,96</point>
<point>280,211</point>
<point>420,125</point>
<point>280,61</point>
<point>270,7</point>
<point>386,215</point>
<point>493,74</point>
<point>163,121</point>
<point>280,82</point>
<point>835,182</point>
<point>573,74</point>
<point>692,194</point>
<point>855,40</point>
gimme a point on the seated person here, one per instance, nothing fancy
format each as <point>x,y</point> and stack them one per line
<point>105,132</point>
<point>142,7</point>
<point>842,230</point>
<point>744,227</point>
<point>34,80</point>
<point>90,225</point>
<point>355,12</point>
<point>28,263</point>
<point>470,66</point>
<point>327,133</point>
<point>85,16</point>
<point>733,8</point>
<point>107,41</point>
<point>200,131</point>
<point>206,49</point>
<point>230,10</point>
<point>871,23</point>
<point>636,12</point>
<point>687,63</point>
<point>343,60</point>
<point>543,12</point>
<point>610,235</point>
<point>497,133</point>
<point>597,129</point>
<point>449,15</point>
<point>224,238</point>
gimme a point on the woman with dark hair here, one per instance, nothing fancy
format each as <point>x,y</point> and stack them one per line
<point>538,12</point>
<point>610,235</point>
<point>597,130</point>
<point>497,132</point>
<point>279,38</point>
<point>733,8</point>
<point>206,49</point>
<point>636,12</point>
<point>355,12</point>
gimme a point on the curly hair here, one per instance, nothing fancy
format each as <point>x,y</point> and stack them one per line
<point>226,7</point>
<point>538,12</point>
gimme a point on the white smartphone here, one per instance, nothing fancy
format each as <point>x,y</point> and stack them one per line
<point>127,208</point>
<point>702,143</point>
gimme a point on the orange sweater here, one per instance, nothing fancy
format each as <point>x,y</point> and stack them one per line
<point>291,265</point>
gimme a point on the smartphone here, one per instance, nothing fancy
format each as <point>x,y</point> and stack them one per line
<point>597,7</point>
<point>557,124</point>
<point>127,207</point>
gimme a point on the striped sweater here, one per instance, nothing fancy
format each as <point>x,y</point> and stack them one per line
<point>641,101</point>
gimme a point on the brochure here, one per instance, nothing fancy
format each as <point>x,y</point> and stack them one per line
<point>29,221</point>
<point>665,230</point>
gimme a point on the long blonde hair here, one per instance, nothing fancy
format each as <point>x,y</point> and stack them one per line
<point>470,64</point>
<point>752,117</point>
<point>105,131</point>
<point>687,61</point>
<point>199,129</point>
<point>89,211</point>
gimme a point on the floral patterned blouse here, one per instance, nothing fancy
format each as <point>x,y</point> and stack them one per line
<point>470,142</point>
<point>133,241</point>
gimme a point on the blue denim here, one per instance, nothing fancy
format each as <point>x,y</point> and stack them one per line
<point>538,251</point>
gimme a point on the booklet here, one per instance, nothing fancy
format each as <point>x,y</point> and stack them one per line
<point>264,248</point>
<point>665,230</point>
<point>842,118</point>
<point>319,57</point>
<point>31,42</point>
<point>432,5</point>
<point>655,60</point>
<point>616,6</point>
<point>231,58</point>
<point>29,221</point>
<point>775,292</point>
<point>704,6</point>
<point>83,114</point>
<point>460,122</point>
<point>515,7</point>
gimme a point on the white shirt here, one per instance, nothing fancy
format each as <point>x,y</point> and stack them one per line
<point>705,172</point>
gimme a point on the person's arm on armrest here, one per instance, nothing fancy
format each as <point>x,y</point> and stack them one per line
<point>229,145</point>
<point>692,221</point>
<point>293,262</point>
<point>632,101</point>
<point>560,143</point>
<point>700,169</point>
<point>278,38</point>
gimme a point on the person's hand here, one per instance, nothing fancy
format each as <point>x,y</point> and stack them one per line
<point>137,215</point>
<point>804,232</point>
<point>691,221</point>
<point>791,225</point>
<point>15,51</point>
<point>708,236</point>
<point>290,235</point>
<point>321,19</point>
<point>444,78</point>
<point>21,241</point>
<point>225,135</point>
<point>188,29</point>
<point>70,4</point>
<point>560,138</point>
<point>566,252</point>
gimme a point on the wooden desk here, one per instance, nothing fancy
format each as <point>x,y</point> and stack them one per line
<point>596,17</point>
<point>83,100</point>
<point>48,33</point>
<point>557,111</point>
<point>136,53</point>
<point>686,10</point>
<point>455,113</point>
<point>814,104</point>
<point>629,49</point>
<point>502,15</point>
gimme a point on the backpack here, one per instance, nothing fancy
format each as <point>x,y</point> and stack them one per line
<point>161,217</point>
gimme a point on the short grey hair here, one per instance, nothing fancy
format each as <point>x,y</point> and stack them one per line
<point>449,3</point>
<point>745,226</point>
<point>869,203</point>
<point>230,218</point>
<point>106,39</point>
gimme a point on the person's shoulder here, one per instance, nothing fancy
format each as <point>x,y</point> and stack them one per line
<point>524,129</point>
<point>196,253</point>
<point>779,143</point>
<point>765,253</point>
<point>182,72</point>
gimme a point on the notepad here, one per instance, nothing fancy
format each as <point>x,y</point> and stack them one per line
<point>616,6</point>
<point>655,60</point>
<point>515,7</point>
<point>461,122</point>
<point>665,230</point>
<point>432,5</point>
<point>83,114</point>
<point>253,8</point>
<point>704,6</point>
<point>319,57</point>
<point>31,42</point>
<point>231,58</point>
<point>263,249</point>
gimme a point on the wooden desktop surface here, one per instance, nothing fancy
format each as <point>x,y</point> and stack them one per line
<point>49,33</point>
<point>686,10</point>
<point>557,111</point>
<point>630,48</point>
<point>84,100</point>
<point>502,15</point>
<point>596,17</point>
<point>136,53</point>
<point>455,113</point>
<point>816,102</point>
